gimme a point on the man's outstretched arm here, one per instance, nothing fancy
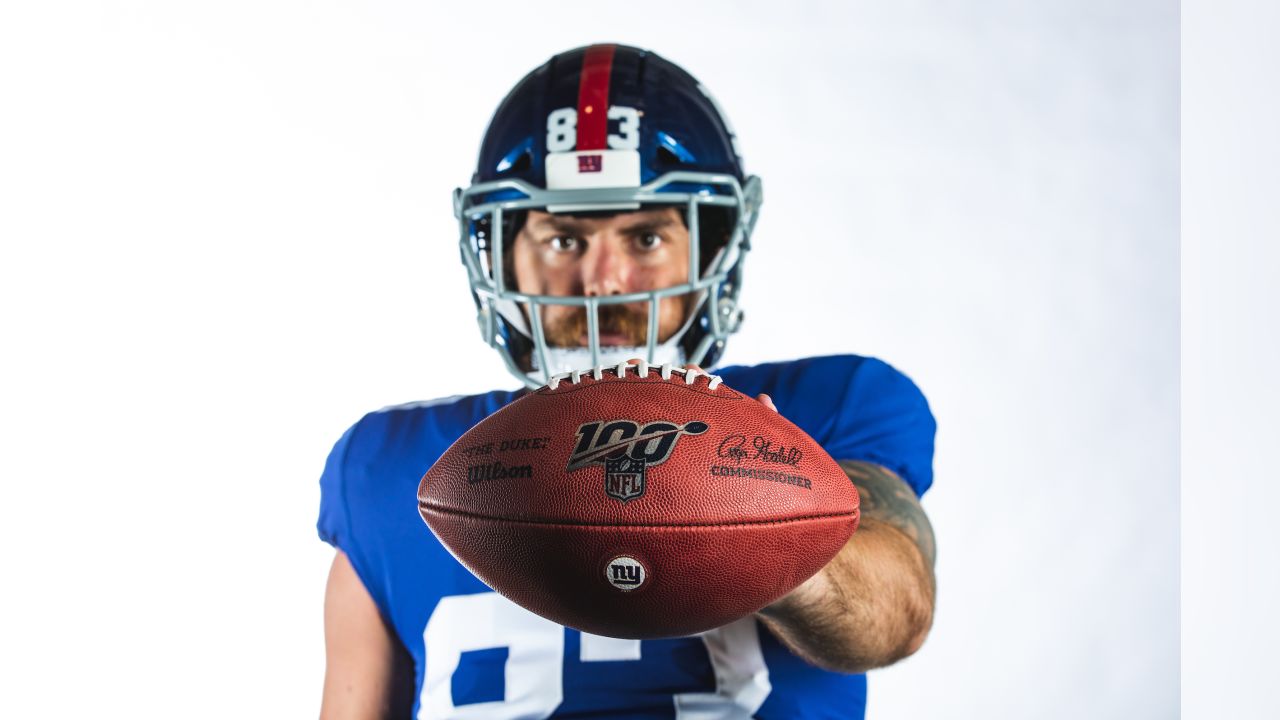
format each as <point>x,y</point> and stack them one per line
<point>872,605</point>
<point>368,674</point>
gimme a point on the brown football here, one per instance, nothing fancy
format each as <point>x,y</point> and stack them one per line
<point>639,502</point>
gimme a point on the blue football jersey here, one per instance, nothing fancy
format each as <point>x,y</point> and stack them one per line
<point>477,655</point>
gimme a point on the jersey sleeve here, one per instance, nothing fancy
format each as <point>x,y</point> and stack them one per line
<point>335,524</point>
<point>883,418</point>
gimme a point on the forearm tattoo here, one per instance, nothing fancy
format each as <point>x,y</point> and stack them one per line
<point>887,498</point>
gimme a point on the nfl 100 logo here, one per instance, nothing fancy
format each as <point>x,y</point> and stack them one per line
<point>627,448</point>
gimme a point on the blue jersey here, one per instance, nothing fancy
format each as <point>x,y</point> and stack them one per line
<point>477,655</point>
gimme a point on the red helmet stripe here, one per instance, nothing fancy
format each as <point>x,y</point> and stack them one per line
<point>593,97</point>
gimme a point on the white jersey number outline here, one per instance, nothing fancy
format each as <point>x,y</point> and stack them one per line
<point>534,682</point>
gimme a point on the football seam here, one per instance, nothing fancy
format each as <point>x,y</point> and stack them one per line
<point>672,526</point>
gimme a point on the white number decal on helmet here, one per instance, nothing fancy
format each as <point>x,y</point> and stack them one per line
<point>562,130</point>
<point>629,127</point>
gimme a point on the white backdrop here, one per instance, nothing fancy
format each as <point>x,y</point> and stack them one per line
<point>227,234</point>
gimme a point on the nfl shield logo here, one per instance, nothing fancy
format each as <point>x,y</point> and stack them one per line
<point>624,478</point>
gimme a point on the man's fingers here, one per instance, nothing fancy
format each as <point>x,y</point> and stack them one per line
<point>767,401</point>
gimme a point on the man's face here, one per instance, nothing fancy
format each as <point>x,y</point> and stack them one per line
<point>603,256</point>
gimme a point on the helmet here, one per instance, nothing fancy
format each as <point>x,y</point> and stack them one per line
<point>608,128</point>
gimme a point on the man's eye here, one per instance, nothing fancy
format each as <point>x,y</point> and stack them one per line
<point>563,244</point>
<point>648,241</point>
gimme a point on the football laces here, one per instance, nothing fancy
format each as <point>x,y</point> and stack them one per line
<point>643,369</point>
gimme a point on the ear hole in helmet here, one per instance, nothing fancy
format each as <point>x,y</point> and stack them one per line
<point>522,163</point>
<point>715,227</point>
<point>666,158</point>
<point>671,153</point>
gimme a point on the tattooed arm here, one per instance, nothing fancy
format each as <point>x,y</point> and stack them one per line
<point>872,605</point>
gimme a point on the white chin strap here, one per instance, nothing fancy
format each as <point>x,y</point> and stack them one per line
<point>564,360</point>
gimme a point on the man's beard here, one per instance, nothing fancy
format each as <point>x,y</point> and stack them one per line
<point>633,325</point>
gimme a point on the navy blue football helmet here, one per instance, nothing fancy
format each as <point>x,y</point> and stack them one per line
<point>608,128</point>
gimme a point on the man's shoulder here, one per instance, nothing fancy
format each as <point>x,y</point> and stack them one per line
<point>423,422</point>
<point>387,450</point>
<point>831,372</point>
<point>447,405</point>
<point>856,407</point>
<point>814,391</point>
<point>838,360</point>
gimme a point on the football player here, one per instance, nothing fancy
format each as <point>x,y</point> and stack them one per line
<point>609,218</point>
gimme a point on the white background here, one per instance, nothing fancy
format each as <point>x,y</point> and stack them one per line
<point>227,234</point>
<point>1230,342</point>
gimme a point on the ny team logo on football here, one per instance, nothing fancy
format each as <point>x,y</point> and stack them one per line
<point>626,449</point>
<point>625,573</point>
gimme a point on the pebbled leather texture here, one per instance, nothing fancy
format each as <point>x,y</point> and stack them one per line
<point>725,505</point>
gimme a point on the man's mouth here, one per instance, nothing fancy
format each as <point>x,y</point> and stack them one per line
<point>608,339</point>
<point>618,327</point>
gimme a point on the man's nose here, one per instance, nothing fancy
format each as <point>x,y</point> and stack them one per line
<point>606,269</point>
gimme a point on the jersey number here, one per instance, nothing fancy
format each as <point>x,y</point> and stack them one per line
<point>562,129</point>
<point>533,673</point>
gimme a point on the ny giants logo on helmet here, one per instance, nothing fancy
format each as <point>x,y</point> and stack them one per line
<point>626,449</point>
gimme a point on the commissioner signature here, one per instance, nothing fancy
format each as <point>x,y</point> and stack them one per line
<point>735,448</point>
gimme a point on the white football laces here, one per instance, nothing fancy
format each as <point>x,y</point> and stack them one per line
<point>642,370</point>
